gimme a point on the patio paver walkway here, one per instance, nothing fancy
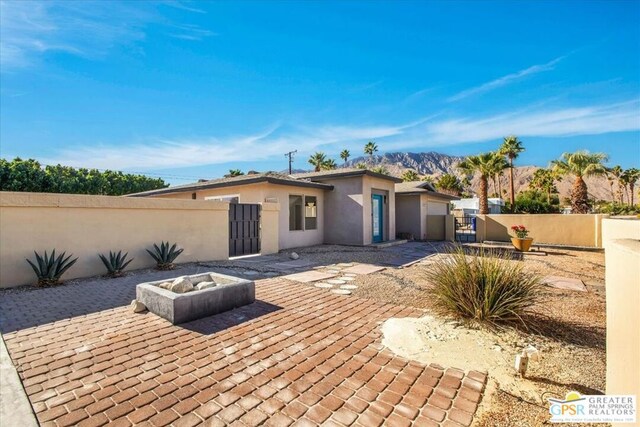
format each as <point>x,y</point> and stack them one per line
<point>298,355</point>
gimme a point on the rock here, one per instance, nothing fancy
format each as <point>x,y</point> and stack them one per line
<point>294,255</point>
<point>341,291</point>
<point>137,306</point>
<point>181,285</point>
<point>205,285</point>
<point>349,287</point>
<point>195,280</point>
<point>165,285</point>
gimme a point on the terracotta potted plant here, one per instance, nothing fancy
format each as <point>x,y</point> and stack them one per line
<point>521,242</point>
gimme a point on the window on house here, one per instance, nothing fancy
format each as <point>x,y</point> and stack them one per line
<point>295,213</point>
<point>310,213</point>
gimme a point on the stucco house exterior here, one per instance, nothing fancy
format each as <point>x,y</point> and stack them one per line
<point>421,212</point>
<point>343,206</point>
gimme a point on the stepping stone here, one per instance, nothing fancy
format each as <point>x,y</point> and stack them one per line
<point>323,285</point>
<point>346,278</point>
<point>348,287</point>
<point>341,291</point>
<point>349,275</point>
<point>565,283</point>
<point>336,282</point>
<point>345,264</point>
<point>333,271</point>
<point>363,269</point>
<point>309,276</point>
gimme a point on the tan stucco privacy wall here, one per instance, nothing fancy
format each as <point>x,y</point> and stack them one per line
<point>276,194</point>
<point>622,263</point>
<point>571,230</point>
<point>87,225</point>
<point>422,216</point>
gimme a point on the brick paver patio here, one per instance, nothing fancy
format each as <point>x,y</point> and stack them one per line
<point>300,355</point>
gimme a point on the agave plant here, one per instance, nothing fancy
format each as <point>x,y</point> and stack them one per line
<point>116,263</point>
<point>49,269</point>
<point>165,255</point>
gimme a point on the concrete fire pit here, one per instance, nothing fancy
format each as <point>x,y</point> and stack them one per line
<point>196,296</point>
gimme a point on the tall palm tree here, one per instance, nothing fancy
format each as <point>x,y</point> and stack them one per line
<point>511,147</point>
<point>328,164</point>
<point>370,148</point>
<point>617,172</point>
<point>344,155</point>
<point>484,165</point>
<point>631,176</point>
<point>580,164</point>
<point>317,159</point>
<point>544,180</point>
<point>498,165</point>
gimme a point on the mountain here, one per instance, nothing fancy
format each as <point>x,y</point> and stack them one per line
<point>436,164</point>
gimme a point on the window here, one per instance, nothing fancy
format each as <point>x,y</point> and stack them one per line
<point>310,213</point>
<point>295,213</point>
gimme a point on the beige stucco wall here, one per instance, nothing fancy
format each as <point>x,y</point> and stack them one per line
<point>571,230</point>
<point>436,227</point>
<point>87,225</point>
<point>622,260</point>
<point>269,228</point>
<point>260,193</point>
<point>371,185</point>
<point>620,228</point>
<point>408,216</point>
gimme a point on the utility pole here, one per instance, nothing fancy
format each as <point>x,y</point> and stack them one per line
<point>290,156</point>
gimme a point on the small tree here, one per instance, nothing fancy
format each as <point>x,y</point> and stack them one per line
<point>410,175</point>
<point>580,164</point>
<point>449,184</point>
<point>235,172</point>
<point>344,155</point>
<point>545,180</point>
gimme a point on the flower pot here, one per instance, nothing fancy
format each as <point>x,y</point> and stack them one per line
<point>522,245</point>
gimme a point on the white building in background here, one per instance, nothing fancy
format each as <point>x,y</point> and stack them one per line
<point>471,206</point>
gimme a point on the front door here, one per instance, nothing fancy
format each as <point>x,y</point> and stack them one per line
<point>377,206</point>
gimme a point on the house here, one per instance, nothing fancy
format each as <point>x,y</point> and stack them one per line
<point>343,206</point>
<point>421,211</point>
<point>471,206</point>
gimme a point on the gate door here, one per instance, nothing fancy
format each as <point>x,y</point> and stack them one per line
<point>465,229</point>
<point>244,229</point>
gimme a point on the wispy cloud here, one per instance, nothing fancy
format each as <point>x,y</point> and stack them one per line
<point>89,29</point>
<point>559,122</point>
<point>505,80</point>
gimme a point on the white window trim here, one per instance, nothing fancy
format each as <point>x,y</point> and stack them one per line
<point>223,198</point>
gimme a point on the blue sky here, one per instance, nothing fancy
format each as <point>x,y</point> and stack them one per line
<point>189,90</point>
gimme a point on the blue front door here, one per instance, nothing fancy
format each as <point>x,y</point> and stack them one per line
<point>377,205</point>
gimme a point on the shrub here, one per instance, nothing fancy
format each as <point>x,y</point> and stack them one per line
<point>49,268</point>
<point>165,255</point>
<point>486,287</point>
<point>116,263</point>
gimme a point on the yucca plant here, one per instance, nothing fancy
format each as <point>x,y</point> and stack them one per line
<point>487,287</point>
<point>49,269</point>
<point>116,263</point>
<point>165,255</point>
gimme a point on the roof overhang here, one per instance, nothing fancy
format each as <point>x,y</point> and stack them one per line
<point>349,174</point>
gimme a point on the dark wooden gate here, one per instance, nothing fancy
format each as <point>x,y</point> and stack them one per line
<point>244,229</point>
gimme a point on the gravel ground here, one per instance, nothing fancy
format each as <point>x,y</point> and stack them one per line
<point>568,329</point>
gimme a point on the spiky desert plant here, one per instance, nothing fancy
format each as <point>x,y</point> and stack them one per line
<point>115,263</point>
<point>164,255</point>
<point>580,164</point>
<point>49,269</point>
<point>486,287</point>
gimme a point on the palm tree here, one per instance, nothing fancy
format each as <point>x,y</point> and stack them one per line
<point>631,176</point>
<point>484,165</point>
<point>511,148</point>
<point>498,165</point>
<point>544,180</point>
<point>381,170</point>
<point>617,172</point>
<point>344,155</point>
<point>317,159</point>
<point>328,164</point>
<point>235,172</point>
<point>580,164</point>
<point>370,148</point>
<point>449,184</point>
<point>410,175</point>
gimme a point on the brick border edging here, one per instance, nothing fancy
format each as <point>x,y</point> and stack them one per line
<point>15,408</point>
